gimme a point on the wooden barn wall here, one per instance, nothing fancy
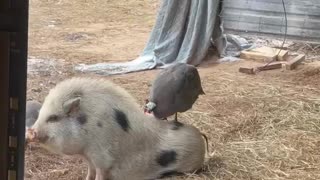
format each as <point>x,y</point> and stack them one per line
<point>267,17</point>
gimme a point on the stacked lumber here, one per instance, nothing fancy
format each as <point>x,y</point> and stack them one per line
<point>273,58</point>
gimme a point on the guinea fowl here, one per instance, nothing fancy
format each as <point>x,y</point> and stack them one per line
<point>174,90</point>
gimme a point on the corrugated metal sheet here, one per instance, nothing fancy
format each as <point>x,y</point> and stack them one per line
<point>267,17</point>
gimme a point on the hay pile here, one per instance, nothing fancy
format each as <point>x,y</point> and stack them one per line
<point>309,74</point>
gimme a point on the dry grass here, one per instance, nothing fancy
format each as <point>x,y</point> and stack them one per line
<point>265,126</point>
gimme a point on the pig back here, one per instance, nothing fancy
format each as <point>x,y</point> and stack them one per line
<point>188,145</point>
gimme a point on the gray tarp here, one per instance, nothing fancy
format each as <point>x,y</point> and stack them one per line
<point>183,32</point>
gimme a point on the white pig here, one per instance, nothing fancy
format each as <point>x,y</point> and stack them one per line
<point>103,123</point>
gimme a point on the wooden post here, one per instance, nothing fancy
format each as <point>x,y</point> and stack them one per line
<point>13,78</point>
<point>4,102</point>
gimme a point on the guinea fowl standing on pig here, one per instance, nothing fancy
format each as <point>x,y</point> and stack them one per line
<point>175,89</point>
<point>103,123</point>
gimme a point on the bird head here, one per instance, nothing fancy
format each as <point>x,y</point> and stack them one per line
<point>149,106</point>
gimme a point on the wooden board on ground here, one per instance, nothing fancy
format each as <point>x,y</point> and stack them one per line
<point>247,70</point>
<point>273,65</point>
<point>264,54</point>
<point>265,67</point>
<point>294,62</point>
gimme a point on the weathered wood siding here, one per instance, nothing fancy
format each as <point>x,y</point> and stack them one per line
<point>267,17</point>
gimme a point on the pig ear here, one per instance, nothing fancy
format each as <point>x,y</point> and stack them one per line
<point>71,105</point>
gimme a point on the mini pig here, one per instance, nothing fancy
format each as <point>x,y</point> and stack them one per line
<point>32,112</point>
<point>101,122</point>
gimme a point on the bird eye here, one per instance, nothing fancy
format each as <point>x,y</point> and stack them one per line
<point>53,118</point>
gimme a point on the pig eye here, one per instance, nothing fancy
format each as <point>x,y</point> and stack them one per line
<point>53,118</point>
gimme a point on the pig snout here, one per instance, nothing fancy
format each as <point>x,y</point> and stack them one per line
<point>33,136</point>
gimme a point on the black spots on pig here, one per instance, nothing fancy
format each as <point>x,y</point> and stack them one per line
<point>99,124</point>
<point>166,158</point>
<point>82,118</point>
<point>122,119</point>
<point>176,125</point>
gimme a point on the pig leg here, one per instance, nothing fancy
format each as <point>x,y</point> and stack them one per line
<point>91,174</point>
<point>102,163</point>
<point>102,174</point>
<point>91,171</point>
<point>99,175</point>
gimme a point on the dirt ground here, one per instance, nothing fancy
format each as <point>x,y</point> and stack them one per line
<point>263,126</point>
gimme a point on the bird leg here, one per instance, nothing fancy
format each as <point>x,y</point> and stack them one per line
<point>176,117</point>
